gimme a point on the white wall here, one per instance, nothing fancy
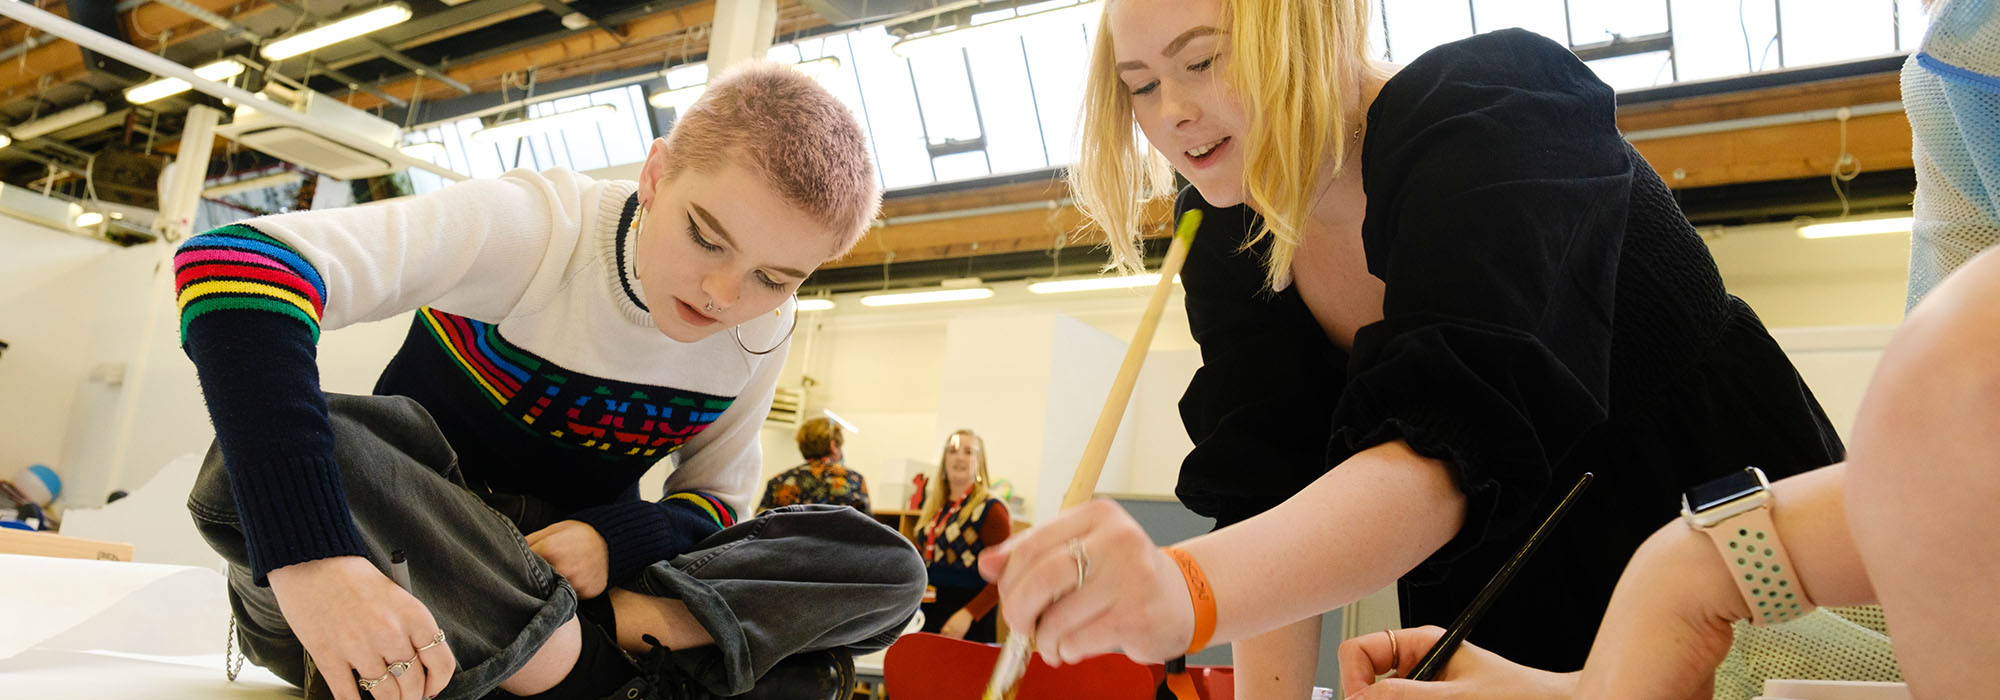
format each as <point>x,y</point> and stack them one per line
<point>48,286</point>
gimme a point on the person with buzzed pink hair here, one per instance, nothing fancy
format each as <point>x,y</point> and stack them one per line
<point>474,528</point>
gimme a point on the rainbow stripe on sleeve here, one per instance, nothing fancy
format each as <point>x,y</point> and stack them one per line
<point>720,512</point>
<point>237,267</point>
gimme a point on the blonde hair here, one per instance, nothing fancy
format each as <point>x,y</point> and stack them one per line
<point>941,486</point>
<point>804,142</point>
<point>1293,64</point>
<point>818,437</point>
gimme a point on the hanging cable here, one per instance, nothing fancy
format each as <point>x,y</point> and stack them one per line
<point>1845,167</point>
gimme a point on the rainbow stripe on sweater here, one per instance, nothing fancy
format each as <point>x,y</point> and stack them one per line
<point>720,512</point>
<point>238,267</point>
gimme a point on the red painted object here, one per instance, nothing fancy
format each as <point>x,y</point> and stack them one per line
<point>926,666</point>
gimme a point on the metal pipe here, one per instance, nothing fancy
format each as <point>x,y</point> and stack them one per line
<point>1817,115</point>
<point>87,38</point>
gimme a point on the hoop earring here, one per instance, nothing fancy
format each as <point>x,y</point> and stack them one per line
<point>781,341</point>
<point>638,219</point>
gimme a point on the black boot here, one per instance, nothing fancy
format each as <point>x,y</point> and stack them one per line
<point>814,675</point>
<point>827,674</point>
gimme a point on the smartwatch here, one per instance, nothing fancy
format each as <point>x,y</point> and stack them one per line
<point>1735,512</point>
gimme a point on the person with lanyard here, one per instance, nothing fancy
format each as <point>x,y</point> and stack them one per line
<point>959,522</point>
<point>1428,297</point>
<point>569,335</point>
<point>824,478</point>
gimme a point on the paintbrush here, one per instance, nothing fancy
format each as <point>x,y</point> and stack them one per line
<point>1013,659</point>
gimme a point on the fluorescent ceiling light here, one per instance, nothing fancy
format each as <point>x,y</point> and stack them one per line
<point>1863,227</point>
<point>677,100</point>
<point>1091,284</point>
<point>59,121</point>
<point>337,31</point>
<point>815,304</point>
<point>930,297</point>
<point>952,38</point>
<point>527,127</point>
<point>818,68</point>
<point>428,150</point>
<point>89,219</point>
<point>252,183</point>
<point>166,87</point>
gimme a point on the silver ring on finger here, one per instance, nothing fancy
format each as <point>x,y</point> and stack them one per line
<point>435,640</point>
<point>1082,558</point>
<point>368,684</point>
<point>399,668</point>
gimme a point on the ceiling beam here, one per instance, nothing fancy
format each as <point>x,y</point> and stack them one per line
<point>1879,142</point>
<point>62,63</point>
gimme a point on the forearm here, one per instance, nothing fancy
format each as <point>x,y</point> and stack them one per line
<point>1280,663</point>
<point>1353,531</point>
<point>1668,624</point>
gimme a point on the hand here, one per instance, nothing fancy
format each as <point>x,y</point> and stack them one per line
<point>577,552</point>
<point>956,625</point>
<point>1668,624</point>
<point>1132,598</point>
<point>353,620</point>
<point>1472,672</point>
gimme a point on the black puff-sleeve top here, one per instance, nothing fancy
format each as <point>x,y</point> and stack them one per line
<point>1547,311</point>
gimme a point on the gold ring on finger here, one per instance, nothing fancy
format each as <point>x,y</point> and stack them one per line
<point>1395,657</point>
<point>368,684</point>
<point>435,640</point>
<point>1082,558</point>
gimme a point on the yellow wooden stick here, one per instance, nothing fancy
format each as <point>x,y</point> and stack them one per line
<point>1013,661</point>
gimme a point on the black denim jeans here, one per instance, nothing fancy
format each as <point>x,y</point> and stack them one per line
<point>795,579</point>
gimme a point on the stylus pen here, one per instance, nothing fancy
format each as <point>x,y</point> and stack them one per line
<point>1440,654</point>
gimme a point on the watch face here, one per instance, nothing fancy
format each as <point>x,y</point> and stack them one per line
<point>1723,490</point>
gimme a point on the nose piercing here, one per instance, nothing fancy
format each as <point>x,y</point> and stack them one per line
<point>709,307</point>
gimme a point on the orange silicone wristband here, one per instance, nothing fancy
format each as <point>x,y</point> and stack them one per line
<point>1200,594</point>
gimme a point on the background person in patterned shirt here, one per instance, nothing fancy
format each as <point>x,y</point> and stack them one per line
<point>822,479</point>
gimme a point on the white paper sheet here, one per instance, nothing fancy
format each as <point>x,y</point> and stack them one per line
<point>80,628</point>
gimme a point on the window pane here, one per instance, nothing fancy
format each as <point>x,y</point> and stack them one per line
<point>1544,17</point>
<point>1416,26</point>
<point>1053,60</point>
<point>1911,20</point>
<point>892,111</point>
<point>1013,133</point>
<point>1633,72</point>
<point>1826,31</point>
<point>1593,21</point>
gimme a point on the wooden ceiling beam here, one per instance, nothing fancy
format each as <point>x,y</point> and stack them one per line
<point>64,63</point>
<point>1762,154</point>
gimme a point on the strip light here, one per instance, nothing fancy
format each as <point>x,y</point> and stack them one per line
<point>167,87</point>
<point>528,127</point>
<point>428,150</point>
<point>1863,227</point>
<point>338,31</point>
<point>677,99</point>
<point>1092,284</point>
<point>959,37</point>
<point>59,121</point>
<point>929,297</point>
<point>815,304</point>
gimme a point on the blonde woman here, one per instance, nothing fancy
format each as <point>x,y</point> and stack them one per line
<point>1427,298</point>
<point>959,522</point>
